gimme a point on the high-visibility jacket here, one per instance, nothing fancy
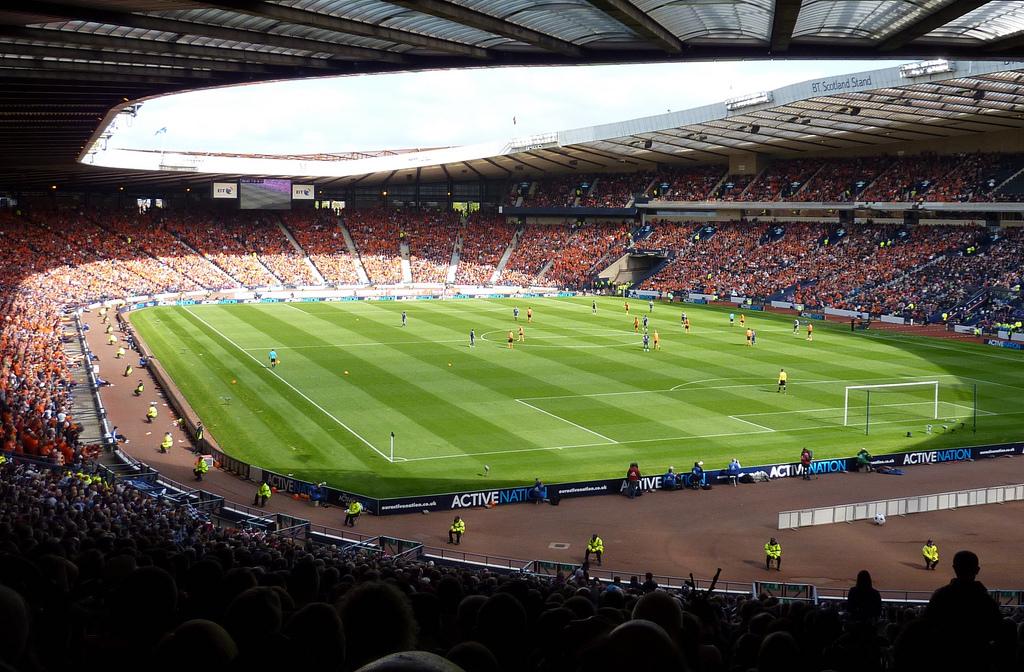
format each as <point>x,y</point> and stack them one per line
<point>264,490</point>
<point>930,552</point>
<point>140,388</point>
<point>354,509</point>
<point>199,433</point>
<point>152,412</point>
<point>458,526</point>
<point>595,545</point>
<point>167,443</point>
<point>120,353</point>
<point>202,467</point>
<point>773,551</point>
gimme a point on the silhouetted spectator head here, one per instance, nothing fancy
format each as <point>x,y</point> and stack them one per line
<point>364,610</point>
<point>779,653</point>
<point>864,579</point>
<point>317,637</point>
<point>254,617</point>
<point>196,642</point>
<point>660,608</point>
<point>966,566</point>
<point>411,661</point>
<point>473,657</point>
<point>15,618</point>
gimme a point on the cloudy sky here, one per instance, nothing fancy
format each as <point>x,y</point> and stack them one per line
<point>434,109</point>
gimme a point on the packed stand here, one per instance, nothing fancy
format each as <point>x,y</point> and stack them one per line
<point>538,244</point>
<point>431,238</point>
<point>686,183</point>
<point>842,180</point>
<point>975,177</point>
<point>782,180</point>
<point>376,237</point>
<point>318,233</point>
<point>264,238</point>
<point>218,240</point>
<point>732,187</point>
<point>910,178</point>
<point>148,233</point>
<point>484,241</point>
<point>123,577</point>
<point>588,249</point>
<point>616,191</point>
<point>555,192</point>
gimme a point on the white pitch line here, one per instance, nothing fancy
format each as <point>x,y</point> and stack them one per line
<point>950,403</point>
<point>767,383</point>
<point>748,422</point>
<point>659,440</point>
<point>351,345</point>
<point>557,417</point>
<point>295,389</point>
<point>918,342</point>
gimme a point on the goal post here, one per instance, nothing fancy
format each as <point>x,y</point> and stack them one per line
<point>888,387</point>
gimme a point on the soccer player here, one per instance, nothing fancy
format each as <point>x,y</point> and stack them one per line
<point>636,325</point>
<point>810,332</point>
<point>647,342</point>
<point>743,320</point>
<point>522,334</point>
<point>650,305</point>
<point>510,340</point>
<point>753,337</point>
<point>404,318</point>
<point>686,325</point>
<point>627,307</point>
<point>796,326</point>
<point>593,307</point>
<point>529,315</point>
<point>645,321</point>
<point>682,319</point>
<point>657,340</point>
<point>732,319</point>
<point>515,313</point>
<point>273,358</point>
<point>750,336</point>
<point>472,338</point>
<point>783,377</point>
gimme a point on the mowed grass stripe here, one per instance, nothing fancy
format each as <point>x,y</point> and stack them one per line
<point>416,406</point>
<point>406,373</point>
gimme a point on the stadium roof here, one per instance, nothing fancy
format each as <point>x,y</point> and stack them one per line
<point>67,66</point>
<point>922,101</point>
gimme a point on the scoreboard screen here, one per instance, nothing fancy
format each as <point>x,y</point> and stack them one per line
<point>265,194</point>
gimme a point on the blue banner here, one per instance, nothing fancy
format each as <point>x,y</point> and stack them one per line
<point>813,316</point>
<point>228,301</point>
<point>753,306</point>
<point>1012,345</point>
<point>423,298</point>
<point>186,302</point>
<point>270,300</point>
<point>312,299</point>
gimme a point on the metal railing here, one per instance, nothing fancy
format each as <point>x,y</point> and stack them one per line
<point>901,506</point>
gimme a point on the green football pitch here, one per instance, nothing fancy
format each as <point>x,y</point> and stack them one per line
<point>579,400</point>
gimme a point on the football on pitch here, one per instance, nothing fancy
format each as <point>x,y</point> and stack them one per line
<point>879,519</point>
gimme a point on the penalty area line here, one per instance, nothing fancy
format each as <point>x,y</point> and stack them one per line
<point>754,424</point>
<point>558,417</point>
<point>293,388</point>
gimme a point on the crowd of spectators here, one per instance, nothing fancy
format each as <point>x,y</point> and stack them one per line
<point>615,191</point>
<point>591,246</point>
<point>732,187</point>
<point>97,571</point>
<point>318,233</point>
<point>483,241</point>
<point>376,234</point>
<point>842,180</point>
<point>687,183</point>
<point>782,180</point>
<point>555,192</point>
<point>875,268</point>
<point>538,244</point>
<point>431,237</point>
<point>264,238</point>
<point>217,239</point>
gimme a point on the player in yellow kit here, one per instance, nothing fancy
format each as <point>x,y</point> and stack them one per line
<point>522,335</point>
<point>511,340</point>
<point>783,377</point>
<point>810,332</point>
<point>750,336</point>
<point>636,325</point>
<point>657,340</point>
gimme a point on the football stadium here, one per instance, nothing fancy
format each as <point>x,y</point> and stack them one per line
<point>556,400</point>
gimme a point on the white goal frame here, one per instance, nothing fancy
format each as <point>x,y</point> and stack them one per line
<point>846,396</point>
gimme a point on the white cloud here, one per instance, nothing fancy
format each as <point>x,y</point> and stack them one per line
<point>451,107</point>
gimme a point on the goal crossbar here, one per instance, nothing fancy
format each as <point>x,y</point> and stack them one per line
<point>846,399</point>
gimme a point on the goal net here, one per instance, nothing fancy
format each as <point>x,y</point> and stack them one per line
<point>921,406</point>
